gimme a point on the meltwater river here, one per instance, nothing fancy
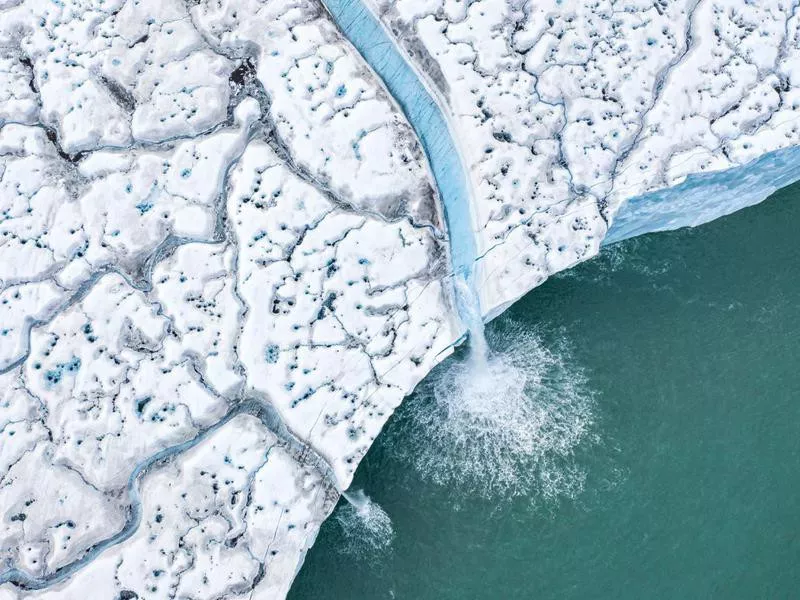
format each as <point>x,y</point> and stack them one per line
<point>372,42</point>
<point>669,413</point>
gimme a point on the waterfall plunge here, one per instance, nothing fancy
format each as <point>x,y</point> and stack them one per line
<point>366,527</point>
<point>502,421</point>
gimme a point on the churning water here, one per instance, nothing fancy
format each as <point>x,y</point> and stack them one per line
<point>500,420</point>
<point>366,528</point>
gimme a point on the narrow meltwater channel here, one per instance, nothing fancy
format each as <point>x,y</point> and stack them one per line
<point>255,407</point>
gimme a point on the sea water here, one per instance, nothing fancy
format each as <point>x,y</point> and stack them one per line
<point>645,442</point>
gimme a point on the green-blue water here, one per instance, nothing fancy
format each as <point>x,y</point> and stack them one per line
<point>664,389</point>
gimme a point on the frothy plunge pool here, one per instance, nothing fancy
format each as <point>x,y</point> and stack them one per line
<point>635,432</point>
<point>502,418</point>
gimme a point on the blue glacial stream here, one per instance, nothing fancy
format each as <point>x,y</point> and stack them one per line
<point>699,199</point>
<point>373,43</point>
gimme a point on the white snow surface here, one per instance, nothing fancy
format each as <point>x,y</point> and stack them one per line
<point>223,261</point>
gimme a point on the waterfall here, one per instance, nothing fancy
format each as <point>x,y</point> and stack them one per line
<point>366,527</point>
<point>469,309</point>
<point>503,420</point>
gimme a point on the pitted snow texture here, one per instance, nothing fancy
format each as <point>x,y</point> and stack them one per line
<point>222,266</point>
<point>223,261</point>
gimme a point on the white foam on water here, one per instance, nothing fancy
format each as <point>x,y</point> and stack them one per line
<point>366,527</point>
<point>503,422</point>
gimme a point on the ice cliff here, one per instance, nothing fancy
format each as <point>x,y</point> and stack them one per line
<point>229,231</point>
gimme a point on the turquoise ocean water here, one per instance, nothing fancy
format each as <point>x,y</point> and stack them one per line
<point>641,438</point>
